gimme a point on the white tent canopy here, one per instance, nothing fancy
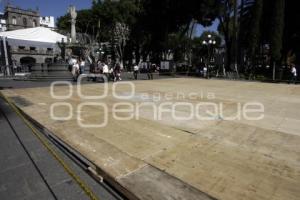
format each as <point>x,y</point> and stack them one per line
<point>38,34</point>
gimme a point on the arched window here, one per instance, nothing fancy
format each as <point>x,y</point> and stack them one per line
<point>24,21</point>
<point>14,20</point>
<point>34,23</point>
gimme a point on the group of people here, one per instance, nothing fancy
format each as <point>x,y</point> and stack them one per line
<point>76,66</point>
<point>100,67</point>
<point>150,69</point>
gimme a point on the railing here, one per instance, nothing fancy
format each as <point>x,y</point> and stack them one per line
<point>13,71</point>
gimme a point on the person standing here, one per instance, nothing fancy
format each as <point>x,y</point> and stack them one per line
<point>294,74</point>
<point>205,73</point>
<point>71,63</point>
<point>111,74</point>
<point>82,66</point>
<point>150,69</point>
<point>15,67</point>
<point>105,70</point>
<point>135,71</point>
<point>117,72</point>
<point>75,70</point>
<point>99,69</point>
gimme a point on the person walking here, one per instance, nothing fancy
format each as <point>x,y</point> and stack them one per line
<point>135,71</point>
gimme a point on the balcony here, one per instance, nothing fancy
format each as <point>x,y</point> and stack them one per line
<point>33,52</point>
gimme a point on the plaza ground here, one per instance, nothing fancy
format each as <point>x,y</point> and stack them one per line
<point>177,159</point>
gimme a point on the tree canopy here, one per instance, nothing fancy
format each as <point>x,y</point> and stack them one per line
<point>158,26</point>
<point>150,22</point>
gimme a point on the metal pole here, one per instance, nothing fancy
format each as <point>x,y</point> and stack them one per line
<point>6,57</point>
<point>274,70</point>
<point>208,60</point>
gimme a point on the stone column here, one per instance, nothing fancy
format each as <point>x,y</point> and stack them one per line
<point>73,13</point>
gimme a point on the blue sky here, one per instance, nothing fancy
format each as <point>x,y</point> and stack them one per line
<point>54,8</point>
<point>213,27</point>
<point>58,8</point>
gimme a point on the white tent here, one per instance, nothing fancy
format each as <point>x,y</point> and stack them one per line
<point>38,34</point>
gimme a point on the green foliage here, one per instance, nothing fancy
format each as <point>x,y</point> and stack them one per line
<point>84,22</point>
<point>159,25</point>
<point>151,23</point>
<point>64,22</point>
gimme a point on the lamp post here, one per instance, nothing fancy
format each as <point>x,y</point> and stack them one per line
<point>210,42</point>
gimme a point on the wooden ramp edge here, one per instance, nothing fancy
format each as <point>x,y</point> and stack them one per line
<point>145,183</point>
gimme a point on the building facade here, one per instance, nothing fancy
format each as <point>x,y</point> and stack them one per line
<point>48,22</point>
<point>2,22</point>
<point>17,18</point>
<point>33,54</point>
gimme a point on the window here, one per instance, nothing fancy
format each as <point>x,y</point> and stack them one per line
<point>14,20</point>
<point>32,48</point>
<point>21,47</point>
<point>24,21</point>
<point>34,23</point>
<point>49,49</point>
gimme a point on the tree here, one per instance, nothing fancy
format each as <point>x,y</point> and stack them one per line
<point>85,23</point>
<point>226,27</point>
<point>173,16</point>
<point>292,29</point>
<point>63,23</point>
<point>245,21</point>
<point>276,31</point>
<point>255,31</point>
<point>121,33</point>
<point>146,35</point>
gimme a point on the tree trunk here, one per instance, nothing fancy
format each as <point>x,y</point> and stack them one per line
<point>277,28</point>
<point>137,54</point>
<point>228,56</point>
<point>255,29</point>
<point>240,52</point>
<point>235,41</point>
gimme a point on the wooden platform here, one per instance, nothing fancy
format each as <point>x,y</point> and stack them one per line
<point>175,159</point>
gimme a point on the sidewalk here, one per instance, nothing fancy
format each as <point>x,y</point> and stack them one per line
<point>29,171</point>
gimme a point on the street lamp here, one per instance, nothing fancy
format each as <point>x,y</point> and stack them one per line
<point>210,42</point>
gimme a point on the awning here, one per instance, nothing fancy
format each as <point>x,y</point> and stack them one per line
<point>38,34</point>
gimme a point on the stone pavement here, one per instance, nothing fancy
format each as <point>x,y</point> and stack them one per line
<point>184,159</point>
<point>29,171</point>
